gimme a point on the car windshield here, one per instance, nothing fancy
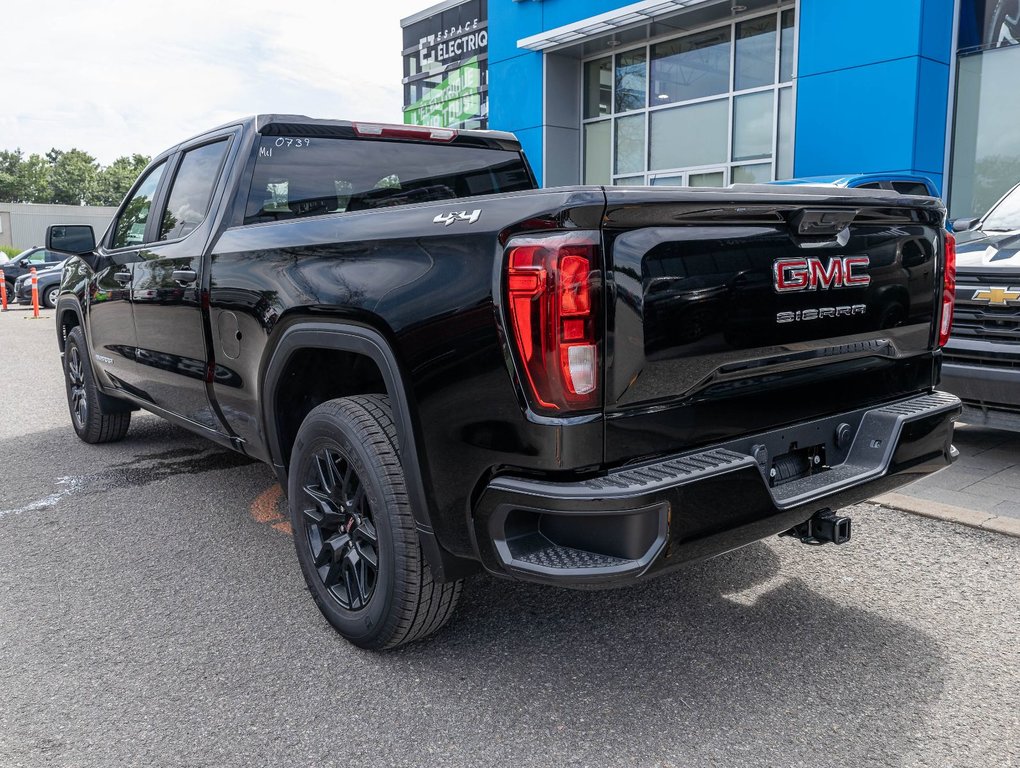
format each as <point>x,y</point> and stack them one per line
<point>1006,215</point>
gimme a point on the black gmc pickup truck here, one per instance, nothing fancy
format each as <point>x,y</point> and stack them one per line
<point>451,370</point>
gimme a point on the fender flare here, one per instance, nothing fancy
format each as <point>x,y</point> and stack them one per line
<point>363,340</point>
<point>68,301</point>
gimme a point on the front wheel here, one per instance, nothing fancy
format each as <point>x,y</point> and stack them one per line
<point>91,417</point>
<point>50,297</point>
<point>354,531</point>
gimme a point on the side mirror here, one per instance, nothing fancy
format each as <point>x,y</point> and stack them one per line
<point>71,238</point>
<point>962,225</point>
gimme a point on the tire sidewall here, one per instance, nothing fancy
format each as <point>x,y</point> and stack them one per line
<point>50,297</point>
<point>324,429</point>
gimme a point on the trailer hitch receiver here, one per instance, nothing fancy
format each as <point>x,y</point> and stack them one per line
<point>824,527</point>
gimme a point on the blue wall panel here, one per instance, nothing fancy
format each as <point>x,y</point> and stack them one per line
<point>560,12</point>
<point>531,142</point>
<point>857,120</point>
<point>515,93</point>
<point>873,86</point>
<point>508,23</point>
<point>930,133</point>
<point>838,34</point>
<point>937,31</point>
<point>515,75</point>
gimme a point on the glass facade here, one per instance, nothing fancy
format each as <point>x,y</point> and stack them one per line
<point>446,67</point>
<point>707,108</point>
<point>986,138</point>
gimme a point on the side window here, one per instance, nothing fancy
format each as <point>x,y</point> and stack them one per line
<point>192,190</point>
<point>37,257</point>
<point>130,229</point>
<point>910,187</point>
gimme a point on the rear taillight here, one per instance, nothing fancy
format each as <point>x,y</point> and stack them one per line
<point>552,307</point>
<point>948,291</point>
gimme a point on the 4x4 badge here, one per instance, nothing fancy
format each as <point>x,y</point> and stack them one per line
<point>448,218</point>
<point>1000,297</point>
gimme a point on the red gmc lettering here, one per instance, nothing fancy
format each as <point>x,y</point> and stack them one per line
<point>849,278</point>
<point>811,272</point>
<point>791,275</point>
<point>821,277</point>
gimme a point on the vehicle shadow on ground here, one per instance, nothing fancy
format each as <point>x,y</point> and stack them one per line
<point>690,666</point>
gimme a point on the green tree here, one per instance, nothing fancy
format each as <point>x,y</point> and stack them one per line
<point>10,176</point>
<point>75,175</point>
<point>35,180</point>
<point>115,179</point>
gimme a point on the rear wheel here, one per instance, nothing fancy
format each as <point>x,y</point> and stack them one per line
<point>93,418</point>
<point>353,529</point>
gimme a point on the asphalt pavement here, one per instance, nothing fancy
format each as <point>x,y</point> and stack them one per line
<point>152,613</point>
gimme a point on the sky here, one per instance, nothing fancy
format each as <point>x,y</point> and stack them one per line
<point>113,78</point>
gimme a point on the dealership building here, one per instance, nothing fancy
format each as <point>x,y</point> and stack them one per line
<point>714,92</point>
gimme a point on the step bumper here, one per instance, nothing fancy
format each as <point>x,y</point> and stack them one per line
<point>619,526</point>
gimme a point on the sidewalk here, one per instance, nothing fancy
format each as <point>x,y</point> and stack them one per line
<point>981,489</point>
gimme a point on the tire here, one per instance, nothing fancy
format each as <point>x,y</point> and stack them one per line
<point>49,298</point>
<point>93,419</point>
<point>349,506</point>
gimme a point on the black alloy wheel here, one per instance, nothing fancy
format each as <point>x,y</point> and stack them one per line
<point>77,398</point>
<point>354,532</point>
<point>96,418</point>
<point>340,530</point>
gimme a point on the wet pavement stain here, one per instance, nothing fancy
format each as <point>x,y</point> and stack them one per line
<point>143,469</point>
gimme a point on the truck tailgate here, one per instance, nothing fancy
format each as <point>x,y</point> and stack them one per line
<point>742,310</point>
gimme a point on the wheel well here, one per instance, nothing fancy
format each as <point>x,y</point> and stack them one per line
<point>68,320</point>
<point>313,376</point>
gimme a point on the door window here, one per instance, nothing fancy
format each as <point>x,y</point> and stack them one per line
<point>37,257</point>
<point>192,190</point>
<point>130,229</point>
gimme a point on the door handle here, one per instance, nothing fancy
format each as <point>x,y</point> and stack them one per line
<point>185,276</point>
<point>122,277</point>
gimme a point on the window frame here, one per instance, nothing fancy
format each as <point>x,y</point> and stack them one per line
<point>776,87</point>
<point>164,160</point>
<point>174,171</point>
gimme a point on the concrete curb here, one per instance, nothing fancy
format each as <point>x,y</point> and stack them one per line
<point>1009,526</point>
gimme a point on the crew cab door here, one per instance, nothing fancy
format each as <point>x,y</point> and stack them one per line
<point>111,324</point>
<point>172,354</point>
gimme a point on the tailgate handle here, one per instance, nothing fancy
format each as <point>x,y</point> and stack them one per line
<point>819,228</point>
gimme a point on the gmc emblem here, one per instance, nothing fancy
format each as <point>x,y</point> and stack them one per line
<point>811,273</point>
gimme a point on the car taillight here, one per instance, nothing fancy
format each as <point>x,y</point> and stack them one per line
<point>419,132</point>
<point>552,307</point>
<point>948,291</point>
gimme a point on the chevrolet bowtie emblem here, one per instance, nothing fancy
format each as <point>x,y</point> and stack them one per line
<point>998,296</point>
